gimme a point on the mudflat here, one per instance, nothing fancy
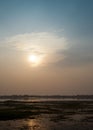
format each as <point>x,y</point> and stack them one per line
<point>46,115</point>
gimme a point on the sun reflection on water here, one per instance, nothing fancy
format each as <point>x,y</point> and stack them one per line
<point>35,124</point>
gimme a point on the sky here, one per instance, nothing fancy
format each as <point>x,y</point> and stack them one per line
<point>46,47</point>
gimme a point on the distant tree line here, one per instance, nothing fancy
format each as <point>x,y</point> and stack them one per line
<point>46,96</point>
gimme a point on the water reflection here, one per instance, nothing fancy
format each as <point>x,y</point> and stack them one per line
<point>47,115</point>
<point>39,124</point>
<point>34,124</point>
<point>30,124</point>
<point>43,124</point>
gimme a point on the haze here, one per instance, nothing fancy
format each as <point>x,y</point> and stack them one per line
<point>46,47</point>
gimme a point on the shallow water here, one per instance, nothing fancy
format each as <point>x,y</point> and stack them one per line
<point>34,99</point>
<point>44,124</point>
<point>51,115</point>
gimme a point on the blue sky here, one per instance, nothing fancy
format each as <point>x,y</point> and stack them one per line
<point>74,16</point>
<point>59,33</point>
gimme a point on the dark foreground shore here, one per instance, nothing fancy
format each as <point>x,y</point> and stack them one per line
<point>46,115</point>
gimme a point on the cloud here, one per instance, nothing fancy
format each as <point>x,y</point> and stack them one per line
<point>56,48</point>
<point>41,43</point>
<point>37,40</point>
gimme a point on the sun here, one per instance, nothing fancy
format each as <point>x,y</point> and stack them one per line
<point>32,58</point>
<point>35,60</point>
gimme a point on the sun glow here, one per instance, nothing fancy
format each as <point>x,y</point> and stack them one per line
<point>35,60</point>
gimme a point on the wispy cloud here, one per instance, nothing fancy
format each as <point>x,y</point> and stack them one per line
<point>41,43</point>
<point>54,47</point>
<point>30,41</point>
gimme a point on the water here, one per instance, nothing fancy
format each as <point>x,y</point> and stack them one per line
<point>60,116</point>
<point>43,124</point>
<point>34,99</point>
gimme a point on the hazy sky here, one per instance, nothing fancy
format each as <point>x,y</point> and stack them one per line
<point>46,47</point>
